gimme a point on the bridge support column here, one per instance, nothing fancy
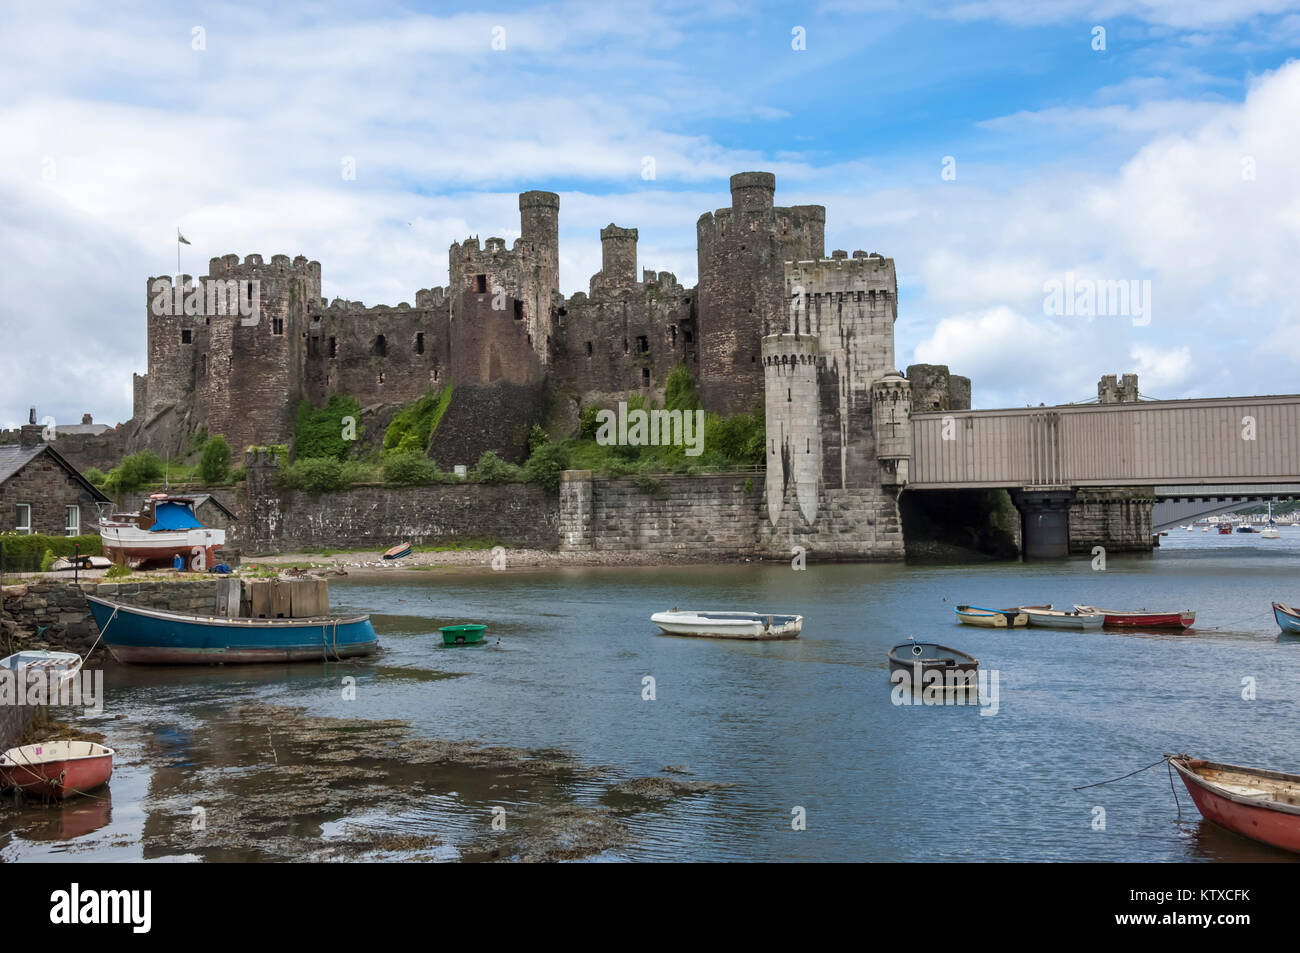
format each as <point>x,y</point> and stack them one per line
<point>1045,522</point>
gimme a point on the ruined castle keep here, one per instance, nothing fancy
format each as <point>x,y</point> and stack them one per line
<point>772,323</point>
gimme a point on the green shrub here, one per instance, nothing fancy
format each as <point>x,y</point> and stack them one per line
<point>95,475</point>
<point>409,469</point>
<point>47,560</point>
<point>318,431</point>
<point>413,426</point>
<point>214,466</point>
<point>587,424</point>
<point>547,462</point>
<point>117,571</point>
<point>26,553</point>
<point>679,390</point>
<point>314,475</point>
<point>492,469</point>
<point>135,472</point>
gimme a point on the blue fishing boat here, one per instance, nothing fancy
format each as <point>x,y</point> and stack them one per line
<point>1288,619</point>
<point>156,637</point>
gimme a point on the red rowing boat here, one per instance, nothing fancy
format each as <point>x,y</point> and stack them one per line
<point>1261,805</point>
<point>1145,618</point>
<point>56,770</point>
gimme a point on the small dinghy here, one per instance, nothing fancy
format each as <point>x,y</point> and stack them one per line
<point>398,551</point>
<point>729,625</point>
<point>991,618</point>
<point>1261,805</point>
<point>462,634</point>
<point>1288,619</point>
<point>62,665</point>
<point>1144,618</point>
<point>929,663</point>
<point>56,770</point>
<point>1048,618</point>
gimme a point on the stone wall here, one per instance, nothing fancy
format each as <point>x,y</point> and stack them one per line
<point>714,515</point>
<point>60,607</point>
<point>517,515</point>
<point>1118,518</point>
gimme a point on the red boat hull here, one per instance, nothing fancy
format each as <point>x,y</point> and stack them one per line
<point>1266,825</point>
<point>58,780</point>
<point>1152,620</point>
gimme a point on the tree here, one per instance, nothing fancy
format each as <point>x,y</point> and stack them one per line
<point>214,465</point>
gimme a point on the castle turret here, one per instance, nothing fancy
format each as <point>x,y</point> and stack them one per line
<point>617,257</point>
<point>793,428</point>
<point>891,414</point>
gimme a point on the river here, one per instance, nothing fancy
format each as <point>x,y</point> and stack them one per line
<point>797,728</point>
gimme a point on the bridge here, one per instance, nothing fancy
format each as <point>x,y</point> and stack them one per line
<point>1222,451</point>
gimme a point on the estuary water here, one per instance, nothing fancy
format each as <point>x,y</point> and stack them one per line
<point>805,728</point>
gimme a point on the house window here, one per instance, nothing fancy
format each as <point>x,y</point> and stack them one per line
<point>277,325</point>
<point>73,520</point>
<point>186,336</point>
<point>480,284</point>
<point>23,520</point>
<point>419,343</point>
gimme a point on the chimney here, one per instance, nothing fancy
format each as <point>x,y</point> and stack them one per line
<point>31,436</point>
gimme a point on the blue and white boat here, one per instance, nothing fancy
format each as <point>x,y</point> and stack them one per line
<point>156,637</point>
<point>1288,619</point>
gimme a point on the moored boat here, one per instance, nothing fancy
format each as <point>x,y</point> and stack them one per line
<point>729,625</point>
<point>932,664</point>
<point>1288,619</point>
<point>165,528</point>
<point>1225,529</point>
<point>56,770</point>
<point>1144,618</point>
<point>1245,528</point>
<point>466,634</point>
<point>62,665</point>
<point>1049,618</point>
<point>1261,805</point>
<point>991,618</point>
<point>157,637</point>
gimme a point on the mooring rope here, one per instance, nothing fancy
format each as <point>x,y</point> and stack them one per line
<point>1165,760</point>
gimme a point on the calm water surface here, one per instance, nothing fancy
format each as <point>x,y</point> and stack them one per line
<point>808,723</point>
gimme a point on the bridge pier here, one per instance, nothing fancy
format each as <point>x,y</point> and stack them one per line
<point>1045,522</point>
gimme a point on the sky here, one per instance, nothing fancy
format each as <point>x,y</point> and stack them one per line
<point>996,149</point>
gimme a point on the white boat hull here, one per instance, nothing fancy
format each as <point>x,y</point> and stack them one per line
<point>729,625</point>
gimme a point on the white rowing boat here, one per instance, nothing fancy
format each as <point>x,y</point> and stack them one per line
<point>729,625</point>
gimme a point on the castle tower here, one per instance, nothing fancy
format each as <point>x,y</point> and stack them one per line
<point>617,257</point>
<point>790,364</point>
<point>741,251</point>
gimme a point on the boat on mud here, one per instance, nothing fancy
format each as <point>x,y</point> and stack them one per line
<point>163,529</point>
<point>728,625</point>
<point>991,618</point>
<point>1145,618</point>
<point>56,770</point>
<point>1045,617</point>
<point>1262,805</point>
<point>144,636</point>
<point>60,665</point>
<point>399,551</point>
<point>1288,619</point>
<point>928,664</point>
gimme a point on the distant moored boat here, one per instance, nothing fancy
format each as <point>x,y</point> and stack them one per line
<point>991,618</point>
<point>1145,618</point>
<point>729,625</point>
<point>1288,619</point>
<point>1049,618</point>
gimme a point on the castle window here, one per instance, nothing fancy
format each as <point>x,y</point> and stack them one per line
<point>380,348</point>
<point>689,336</point>
<point>381,377</point>
<point>185,336</point>
<point>788,398</point>
<point>519,310</point>
<point>480,284</point>
<point>203,365</point>
<point>642,345</point>
<point>807,445</point>
<point>334,347</point>
<point>645,377</point>
<point>625,347</point>
<point>672,329</point>
<point>589,349</point>
<point>419,342</point>
<point>277,325</point>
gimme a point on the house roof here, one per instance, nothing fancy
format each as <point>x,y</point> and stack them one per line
<point>13,457</point>
<point>201,498</point>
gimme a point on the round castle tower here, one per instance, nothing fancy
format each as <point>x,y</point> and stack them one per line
<point>793,437</point>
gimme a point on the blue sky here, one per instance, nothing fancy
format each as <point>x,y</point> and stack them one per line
<point>1123,164</point>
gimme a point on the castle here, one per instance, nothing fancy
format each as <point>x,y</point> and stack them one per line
<point>772,321</point>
